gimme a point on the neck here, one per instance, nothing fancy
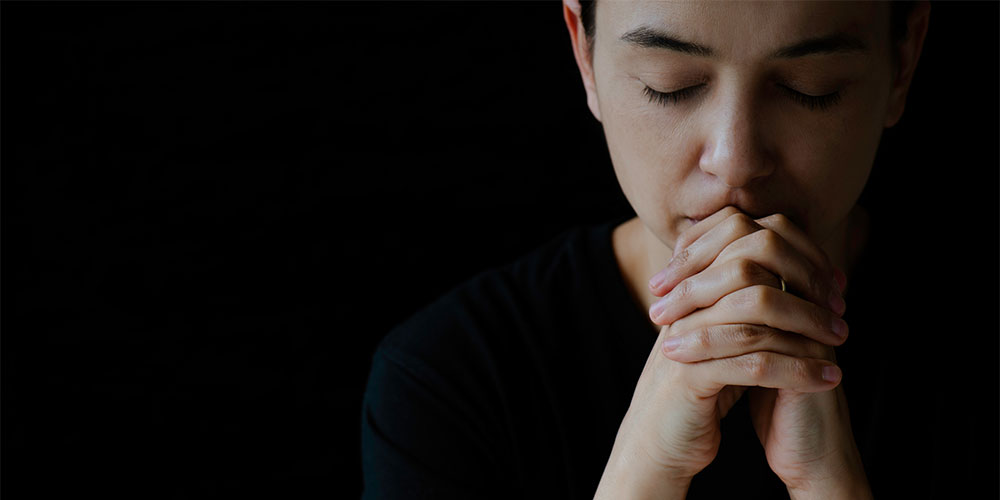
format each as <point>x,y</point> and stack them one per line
<point>640,254</point>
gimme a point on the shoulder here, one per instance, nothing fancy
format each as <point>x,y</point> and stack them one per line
<point>496,307</point>
<point>459,391</point>
<point>497,299</point>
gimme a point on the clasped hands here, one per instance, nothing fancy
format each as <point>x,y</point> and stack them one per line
<point>722,299</point>
<point>728,328</point>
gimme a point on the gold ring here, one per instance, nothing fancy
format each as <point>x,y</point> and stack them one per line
<point>782,284</point>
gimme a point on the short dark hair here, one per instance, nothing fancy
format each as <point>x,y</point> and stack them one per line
<point>899,12</point>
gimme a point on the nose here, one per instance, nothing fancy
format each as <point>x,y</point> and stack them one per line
<point>733,148</point>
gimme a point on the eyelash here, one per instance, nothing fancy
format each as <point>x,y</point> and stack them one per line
<point>663,97</point>
<point>813,102</point>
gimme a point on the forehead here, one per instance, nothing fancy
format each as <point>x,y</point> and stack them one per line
<point>742,30</point>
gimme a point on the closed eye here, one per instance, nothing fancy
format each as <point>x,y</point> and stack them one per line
<point>813,102</point>
<point>663,98</point>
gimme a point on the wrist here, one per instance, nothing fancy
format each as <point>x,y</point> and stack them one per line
<point>847,482</point>
<point>629,475</point>
<point>853,489</point>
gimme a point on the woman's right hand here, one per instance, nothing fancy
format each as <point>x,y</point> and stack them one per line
<point>671,430</point>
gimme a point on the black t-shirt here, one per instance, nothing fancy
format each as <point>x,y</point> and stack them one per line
<point>514,384</point>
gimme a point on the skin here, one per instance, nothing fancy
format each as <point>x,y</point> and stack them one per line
<point>777,185</point>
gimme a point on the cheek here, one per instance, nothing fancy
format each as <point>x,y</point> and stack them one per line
<point>830,161</point>
<point>647,153</point>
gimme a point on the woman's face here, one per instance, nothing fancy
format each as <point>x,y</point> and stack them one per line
<point>741,127</point>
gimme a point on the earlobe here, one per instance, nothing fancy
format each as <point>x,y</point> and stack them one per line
<point>897,102</point>
<point>593,104</point>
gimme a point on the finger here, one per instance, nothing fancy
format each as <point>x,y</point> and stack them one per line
<point>764,369</point>
<point>772,251</point>
<point>690,235</point>
<point>726,341</point>
<point>707,287</point>
<point>782,225</point>
<point>702,252</point>
<point>768,306</point>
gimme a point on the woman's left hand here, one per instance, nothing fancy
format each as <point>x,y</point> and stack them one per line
<point>807,437</point>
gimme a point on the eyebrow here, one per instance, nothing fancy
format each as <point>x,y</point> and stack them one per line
<point>837,43</point>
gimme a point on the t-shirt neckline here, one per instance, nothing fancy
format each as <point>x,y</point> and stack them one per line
<point>613,288</point>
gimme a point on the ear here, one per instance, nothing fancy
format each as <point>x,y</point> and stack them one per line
<point>907,53</point>
<point>574,22</point>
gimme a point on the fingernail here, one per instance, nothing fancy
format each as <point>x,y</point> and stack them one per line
<point>837,303</point>
<point>831,373</point>
<point>840,327</point>
<point>657,309</point>
<point>672,343</point>
<point>840,278</point>
<point>657,279</point>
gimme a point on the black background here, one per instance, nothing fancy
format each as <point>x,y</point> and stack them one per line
<point>213,212</point>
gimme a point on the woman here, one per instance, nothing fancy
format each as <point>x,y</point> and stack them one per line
<point>742,135</point>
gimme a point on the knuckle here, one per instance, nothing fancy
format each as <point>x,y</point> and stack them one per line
<point>746,299</point>
<point>682,241</point>
<point>771,241</point>
<point>731,210</point>
<point>681,258</point>
<point>701,340</point>
<point>815,350</point>
<point>779,220</point>
<point>745,335</point>
<point>750,273</point>
<point>683,291</point>
<point>740,222</point>
<point>820,319</point>
<point>801,371</point>
<point>763,296</point>
<point>757,366</point>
